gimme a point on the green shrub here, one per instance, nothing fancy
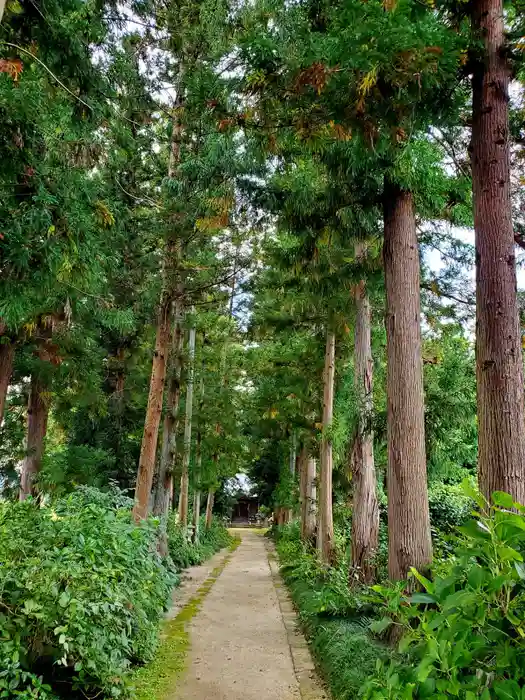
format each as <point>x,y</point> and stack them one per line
<point>449,507</point>
<point>185,553</point>
<point>464,636</point>
<point>69,465</point>
<point>334,617</point>
<point>82,593</point>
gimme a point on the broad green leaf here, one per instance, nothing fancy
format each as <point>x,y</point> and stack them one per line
<point>427,585</point>
<point>422,598</point>
<point>379,626</point>
<point>503,500</point>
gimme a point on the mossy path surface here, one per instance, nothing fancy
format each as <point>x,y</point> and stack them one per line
<point>240,647</point>
<point>160,678</point>
<point>232,634</point>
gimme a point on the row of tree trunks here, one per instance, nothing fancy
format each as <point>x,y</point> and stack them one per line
<point>409,542</point>
<point>365,514</point>
<point>185,477</point>
<point>153,411</point>
<point>37,416</point>
<point>325,529</point>
<point>163,487</point>
<point>499,364</point>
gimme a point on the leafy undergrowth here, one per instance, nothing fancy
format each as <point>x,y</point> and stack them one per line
<point>461,630</point>
<point>463,634</point>
<point>154,681</point>
<point>335,620</point>
<point>83,592</point>
<point>185,553</point>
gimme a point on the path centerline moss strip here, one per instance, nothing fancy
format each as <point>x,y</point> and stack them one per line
<point>155,680</point>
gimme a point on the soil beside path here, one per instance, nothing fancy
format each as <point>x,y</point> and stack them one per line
<point>239,648</point>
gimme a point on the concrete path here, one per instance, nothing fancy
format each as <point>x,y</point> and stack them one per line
<point>240,646</point>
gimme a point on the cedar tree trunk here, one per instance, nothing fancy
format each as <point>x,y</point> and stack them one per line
<point>308,496</point>
<point>408,516</point>
<point>325,531</point>
<point>499,367</point>
<point>198,467</point>
<point>365,515</point>
<point>163,487</point>
<point>184,481</point>
<point>209,508</point>
<point>7,356</point>
<point>37,414</point>
<point>153,413</point>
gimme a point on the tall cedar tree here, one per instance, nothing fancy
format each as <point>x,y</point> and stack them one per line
<point>499,363</point>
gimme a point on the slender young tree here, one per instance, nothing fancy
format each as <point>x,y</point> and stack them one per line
<point>501,410</point>
<point>409,542</point>
<point>325,532</point>
<point>185,477</point>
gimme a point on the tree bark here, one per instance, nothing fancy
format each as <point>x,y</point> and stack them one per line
<point>163,487</point>
<point>171,262</point>
<point>325,530</point>
<point>37,415</point>
<point>365,515</point>
<point>408,516</point>
<point>293,460</point>
<point>184,481</point>
<point>153,412</point>
<point>499,365</point>
<point>198,467</point>
<point>308,495</point>
<point>311,499</point>
<point>7,356</point>
<point>209,508</point>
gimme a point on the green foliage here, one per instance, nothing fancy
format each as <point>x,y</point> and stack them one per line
<point>449,507</point>
<point>185,553</point>
<point>450,403</point>
<point>334,617</point>
<point>83,591</point>
<point>74,465</point>
<point>463,634</point>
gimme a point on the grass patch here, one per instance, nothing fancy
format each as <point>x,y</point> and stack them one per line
<point>155,680</point>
